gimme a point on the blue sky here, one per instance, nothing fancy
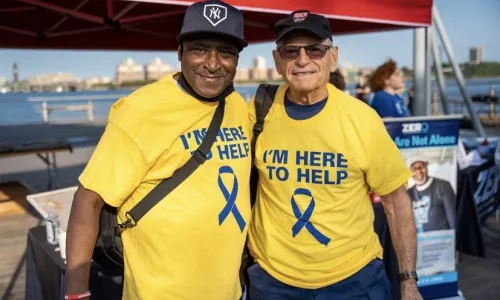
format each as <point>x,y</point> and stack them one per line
<point>468,23</point>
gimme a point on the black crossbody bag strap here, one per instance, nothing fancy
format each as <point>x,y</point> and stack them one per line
<point>169,184</point>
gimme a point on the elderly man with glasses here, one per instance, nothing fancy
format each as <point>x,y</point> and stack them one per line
<point>318,156</point>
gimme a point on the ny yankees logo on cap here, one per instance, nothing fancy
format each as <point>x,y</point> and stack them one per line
<point>215,13</point>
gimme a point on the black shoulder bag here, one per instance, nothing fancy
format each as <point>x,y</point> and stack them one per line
<point>108,252</point>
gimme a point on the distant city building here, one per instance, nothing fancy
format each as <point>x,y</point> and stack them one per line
<point>476,55</point>
<point>365,70</point>
<point>157,69</point>
<point>15,73</point>
<point>53,78</point>
<point>258,74</point>
<point>259,62</point>
<point>129,70</point>
<point>3,80</point>
<point>272,74</point>
<point>351,72</point>
<point>242,74</point>
<point>97,81</point>
<point>259,70</point>
<point>54,81</point>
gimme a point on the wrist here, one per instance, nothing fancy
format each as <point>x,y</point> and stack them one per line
<point>76,296</point>
<point>407,276</point>
<point>409,282</point>
<point>76,288</point>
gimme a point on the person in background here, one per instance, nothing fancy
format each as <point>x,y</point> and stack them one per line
<point>337,79</point>
<point>385,82</point>
<point>362,88</point>
<point>411,95</point>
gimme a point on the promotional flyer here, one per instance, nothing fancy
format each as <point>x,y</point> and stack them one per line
<point>429,147</point>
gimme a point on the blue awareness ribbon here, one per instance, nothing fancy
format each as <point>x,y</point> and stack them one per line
<point>303,218</point>
<point>230,197</point>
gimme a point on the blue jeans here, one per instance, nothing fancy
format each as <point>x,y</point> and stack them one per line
<point>370,283</point>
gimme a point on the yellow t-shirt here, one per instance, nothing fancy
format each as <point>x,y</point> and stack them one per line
<point>312,224</point>
<point>189,246</point>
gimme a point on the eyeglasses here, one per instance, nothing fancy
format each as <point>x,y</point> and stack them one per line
<point>312,51</point>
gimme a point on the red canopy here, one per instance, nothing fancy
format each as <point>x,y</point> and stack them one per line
<point>154,24</point>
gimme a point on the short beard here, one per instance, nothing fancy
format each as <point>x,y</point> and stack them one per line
<point>421,182</point>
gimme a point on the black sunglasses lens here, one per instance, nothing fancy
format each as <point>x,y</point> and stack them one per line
<point>289,52</point>
<point>315,52</point>
<point>292,52</point>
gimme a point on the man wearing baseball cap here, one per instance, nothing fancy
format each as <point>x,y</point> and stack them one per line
<point>318,155</point>
<point>433,199</point>
<point>188,246</point>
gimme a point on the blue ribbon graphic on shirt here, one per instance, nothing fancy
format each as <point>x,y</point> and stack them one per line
<point>230,199</point>
<point>303,218</point>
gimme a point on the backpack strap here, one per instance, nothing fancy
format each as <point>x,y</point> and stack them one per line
<point>264,98</point>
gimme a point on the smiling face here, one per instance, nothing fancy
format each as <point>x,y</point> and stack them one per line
<point>208,64</point>
<point>304,61</point>
<point>420,172</point>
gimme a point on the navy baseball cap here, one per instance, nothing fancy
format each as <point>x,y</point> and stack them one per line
<point>213,17</point>
<point>303,20</point>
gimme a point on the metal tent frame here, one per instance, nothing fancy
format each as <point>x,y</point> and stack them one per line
<point>426,49</point>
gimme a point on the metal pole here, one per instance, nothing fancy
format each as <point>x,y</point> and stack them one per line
<point>458,73</point>
<point>419,104</point>
<point>439,75</point>
<point>90,111</point>
<point>45,112</point>
<point>428,65</point>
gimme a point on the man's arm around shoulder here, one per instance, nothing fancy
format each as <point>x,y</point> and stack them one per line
<point>83,228</point>
<point>397,207</point>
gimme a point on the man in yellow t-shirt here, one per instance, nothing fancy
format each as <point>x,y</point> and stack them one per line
<point>188,246</point>
<point>319,155</point>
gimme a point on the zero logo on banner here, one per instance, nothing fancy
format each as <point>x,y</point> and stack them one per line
<point>488,181</point>
<point>415,127</point>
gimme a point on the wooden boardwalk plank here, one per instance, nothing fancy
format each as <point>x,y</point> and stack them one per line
<point>13,237</point>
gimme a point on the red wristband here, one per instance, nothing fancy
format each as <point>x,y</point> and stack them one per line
<point>77,296</point>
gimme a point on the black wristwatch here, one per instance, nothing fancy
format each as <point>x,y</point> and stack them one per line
<point>408,275</point>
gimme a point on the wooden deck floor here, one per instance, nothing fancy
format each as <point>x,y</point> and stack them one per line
<point>13,237</point>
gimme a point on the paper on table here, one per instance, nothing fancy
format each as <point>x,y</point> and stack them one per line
<point>59,201</point>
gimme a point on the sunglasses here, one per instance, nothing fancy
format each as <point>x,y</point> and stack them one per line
<point>312,51</point>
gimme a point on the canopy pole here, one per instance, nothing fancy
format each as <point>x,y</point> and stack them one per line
<point>439,75</point>
<point>419,63</point>
<point>458,73</point>
<point>428,67</point>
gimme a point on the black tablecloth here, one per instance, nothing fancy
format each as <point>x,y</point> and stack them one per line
<point>45,272</point>
<point>474,204</point>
